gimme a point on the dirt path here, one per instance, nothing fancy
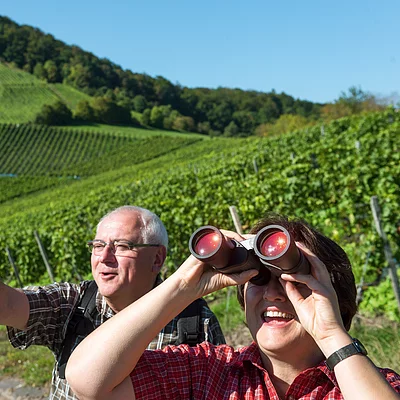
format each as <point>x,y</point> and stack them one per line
<point>16,389</point>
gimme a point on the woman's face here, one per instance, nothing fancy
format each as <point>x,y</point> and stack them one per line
<point>273,322</point>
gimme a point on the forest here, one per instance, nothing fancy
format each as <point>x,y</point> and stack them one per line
<point>119,96</point>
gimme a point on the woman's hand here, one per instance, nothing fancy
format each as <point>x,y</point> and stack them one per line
<point>202,278</point>
<point>317,311</point>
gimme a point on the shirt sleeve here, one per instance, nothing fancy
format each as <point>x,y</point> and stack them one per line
<point>180,372</point>
<point>51,308</point>
<point>392,378</point>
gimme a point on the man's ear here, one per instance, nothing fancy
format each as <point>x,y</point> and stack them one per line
<point>159,259</point>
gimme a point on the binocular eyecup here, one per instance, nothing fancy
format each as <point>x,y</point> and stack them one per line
<point>271,251</point>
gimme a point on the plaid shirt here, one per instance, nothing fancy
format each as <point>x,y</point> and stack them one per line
<point>219,372</point>
<point>51,308</point>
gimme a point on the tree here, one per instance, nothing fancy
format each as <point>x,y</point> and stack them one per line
<point>84,111</point>
<point>139,103</point>
<point>54,114</point>
<point>183,124</point>
<point>108,112</point>
<point>245,120</point>
<point>353,102</point>
<point>146,117</point>
<point>157,115</point>
<point>51,71</point>
<point>220,115</point>
<point>231,130</point>
<point>39,71</point>
<point>285,124</point>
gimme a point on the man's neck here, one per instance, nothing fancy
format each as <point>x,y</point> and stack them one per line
<point>118,304</point>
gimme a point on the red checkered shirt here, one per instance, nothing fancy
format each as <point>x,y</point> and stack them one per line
<point>219,372</point>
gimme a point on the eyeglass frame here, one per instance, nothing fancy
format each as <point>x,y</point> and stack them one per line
<point>130,244</point>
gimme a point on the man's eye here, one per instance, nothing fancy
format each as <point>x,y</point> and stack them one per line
<point>98,246</point>
<point>121,247</point>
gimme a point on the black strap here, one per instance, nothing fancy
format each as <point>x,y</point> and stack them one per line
<point>81,324</point>
<point>189,329</point>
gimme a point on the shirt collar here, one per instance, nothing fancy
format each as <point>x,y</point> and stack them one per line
<point>252,355</point>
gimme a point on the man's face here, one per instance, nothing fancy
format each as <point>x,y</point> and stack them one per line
<point>272,320</point>
<point>124,279</point>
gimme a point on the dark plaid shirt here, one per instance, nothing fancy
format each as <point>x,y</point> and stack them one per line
<point>51,308</point>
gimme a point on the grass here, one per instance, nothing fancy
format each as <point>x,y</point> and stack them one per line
<point>33,365</point>
<point>130,131</point>
<point>381,339</point>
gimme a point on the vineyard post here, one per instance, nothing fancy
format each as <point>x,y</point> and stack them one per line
<point>10,258</point>
<point>44,256</point>
<point>236,219</point>
<point>255,165</point>
<point>376,212</point>
<point>238,227</point>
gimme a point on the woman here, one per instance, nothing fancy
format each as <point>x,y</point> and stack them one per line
<point>298,323</point>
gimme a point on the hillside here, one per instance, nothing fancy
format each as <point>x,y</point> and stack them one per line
<point>325,174</point>
<point>22,95</point>
<point>160,103</point>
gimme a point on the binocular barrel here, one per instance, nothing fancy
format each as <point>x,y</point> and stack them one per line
<point>271,250</point>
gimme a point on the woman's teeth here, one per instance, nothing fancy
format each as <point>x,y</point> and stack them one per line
<point>275,314</point>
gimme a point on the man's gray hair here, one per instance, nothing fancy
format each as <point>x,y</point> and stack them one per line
<point>153,231</point>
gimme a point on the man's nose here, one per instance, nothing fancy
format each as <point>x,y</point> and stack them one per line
<point>107,254</point>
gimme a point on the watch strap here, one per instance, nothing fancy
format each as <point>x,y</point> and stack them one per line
<point>347,351</point>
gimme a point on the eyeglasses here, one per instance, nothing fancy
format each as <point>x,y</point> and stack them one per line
<point>117,247</point>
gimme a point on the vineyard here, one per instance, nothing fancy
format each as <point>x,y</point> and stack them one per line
<point>325,174</point>
<point>41,150</point>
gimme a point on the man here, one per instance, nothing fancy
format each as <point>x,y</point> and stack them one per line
<point>127,255</point>
<point>299,322</point>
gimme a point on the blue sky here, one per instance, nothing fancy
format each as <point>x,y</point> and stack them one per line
<point>309,49</point>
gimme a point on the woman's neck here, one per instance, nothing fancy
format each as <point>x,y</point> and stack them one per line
<point>283,371</point>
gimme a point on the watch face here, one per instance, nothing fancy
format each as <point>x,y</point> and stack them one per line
<point>360,346</point>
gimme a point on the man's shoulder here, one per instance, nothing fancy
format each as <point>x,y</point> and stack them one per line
<point>58,287</point>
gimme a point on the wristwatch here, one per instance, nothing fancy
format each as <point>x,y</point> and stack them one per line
<point>347,351</point>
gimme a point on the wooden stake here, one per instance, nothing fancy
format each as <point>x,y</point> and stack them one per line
<point>44,256</point>
<point>376,212</point>
<point>236,219</point>
<point>10,258</point>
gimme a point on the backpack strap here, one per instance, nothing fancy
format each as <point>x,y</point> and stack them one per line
<point>81,324</point>
<point>189,330</point>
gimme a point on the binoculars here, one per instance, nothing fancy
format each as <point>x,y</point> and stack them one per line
<point>270,251</point>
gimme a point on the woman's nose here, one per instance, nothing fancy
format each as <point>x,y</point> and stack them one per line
<point>273,290</point>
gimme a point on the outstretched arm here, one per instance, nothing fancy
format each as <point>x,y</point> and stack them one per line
<point>319,314</point>
<point>14,307</point>
<point>99,366</point>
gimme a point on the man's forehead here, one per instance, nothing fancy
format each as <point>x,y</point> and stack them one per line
<point>124,221</point>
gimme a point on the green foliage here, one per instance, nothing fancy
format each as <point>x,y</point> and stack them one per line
<point>286,123</point>
<point>54,114</point>
<point>325,176</point>
<point>106,111</point>
<point>84,111</point>
<point>380,337</point>
<point>139,103</point>
<point>158,114</point>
